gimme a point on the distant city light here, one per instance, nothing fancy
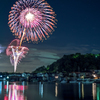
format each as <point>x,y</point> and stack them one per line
<point>56,77</point>
<point>7,77</point>
<point>94,75</point>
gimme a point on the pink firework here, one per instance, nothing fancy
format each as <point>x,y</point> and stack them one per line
<point>15,42</point>
<point>32,19</point>
<point>16,52</point>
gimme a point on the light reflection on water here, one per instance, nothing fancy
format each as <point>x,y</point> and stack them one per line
<point>56,89</point>
<point>14,91</point>
<point>82,91</point>
<point>94,91</point>
<point>48,91</point>
<point>0,87</point>
<point>41,89</point>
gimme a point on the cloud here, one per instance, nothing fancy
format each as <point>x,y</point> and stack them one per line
<point>37,58</point>
<point>47,61</point>
<point>2,48</point>
<point>48,55</point>
<point>43,55</point>
<point>70,49</point>
<point>34,59</point>
<point>94,51</point>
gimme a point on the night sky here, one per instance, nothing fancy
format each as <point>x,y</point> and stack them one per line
<point>78,31</point>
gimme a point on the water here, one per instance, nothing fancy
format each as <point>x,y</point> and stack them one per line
<point>49,91</point>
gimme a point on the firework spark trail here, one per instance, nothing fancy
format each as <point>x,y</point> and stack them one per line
<point>16,52</point>
<point>32,20</point>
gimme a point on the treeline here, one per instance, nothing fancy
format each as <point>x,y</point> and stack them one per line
<point>71,63</point>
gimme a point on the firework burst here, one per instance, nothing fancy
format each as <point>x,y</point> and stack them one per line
<point>16,52</point>
<point>32,19</point>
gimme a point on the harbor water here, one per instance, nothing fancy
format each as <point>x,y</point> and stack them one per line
<point>48,91</point>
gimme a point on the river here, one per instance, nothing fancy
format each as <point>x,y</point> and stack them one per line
<point>48,91</point>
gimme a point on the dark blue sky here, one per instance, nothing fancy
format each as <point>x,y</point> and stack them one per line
<point>78,30</point>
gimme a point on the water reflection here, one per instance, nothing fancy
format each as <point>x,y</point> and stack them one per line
<point>79,87</point>
<point>0,87</point>
<point>7,87</point>
<point>56,89</point>
<point>98,92</point>
<point>94,91</point>
<point>14,92</point>
<point>82,91</point>
<point>41,89</point>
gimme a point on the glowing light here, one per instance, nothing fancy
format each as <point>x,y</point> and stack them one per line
<point>29,20</point>
<point>16,52</point>
<point>94,75</point>
<point>56,89</point>
<point>41,89</point>
<point>94,91</point>
<point>0,87</point>
<point>36,17</point>
<point>56,77</point>
<point>29,17</point>
<point>17,55</point>
<point>15,92</point>
<point>82,91</point>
